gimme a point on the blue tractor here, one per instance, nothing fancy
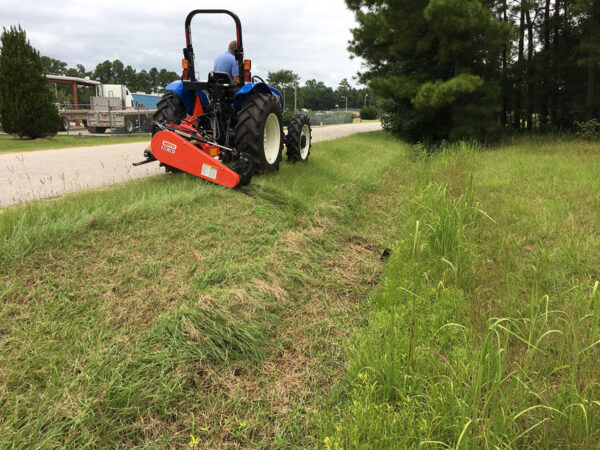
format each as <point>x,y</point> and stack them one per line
<point>222,131</point>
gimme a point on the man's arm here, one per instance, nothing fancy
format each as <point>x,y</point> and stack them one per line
<point>235,72</point>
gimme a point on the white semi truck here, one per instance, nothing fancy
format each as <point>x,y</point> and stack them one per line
<point>117,91</point>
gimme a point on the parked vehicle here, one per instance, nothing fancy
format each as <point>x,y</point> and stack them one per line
<point>111,106</point>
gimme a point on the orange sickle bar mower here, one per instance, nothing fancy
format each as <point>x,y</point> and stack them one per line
<point>173,150</point>
<point>182,148</point>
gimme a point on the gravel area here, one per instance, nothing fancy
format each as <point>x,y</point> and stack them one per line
<point>51,173</point>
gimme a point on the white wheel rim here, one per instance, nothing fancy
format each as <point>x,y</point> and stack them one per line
<point>272,138</point>
<point>306,147</point>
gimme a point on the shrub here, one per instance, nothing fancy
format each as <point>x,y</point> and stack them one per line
<point>587,130</point>
<point>26,107</point>
<point>369,113</point>
<point>286,117</point>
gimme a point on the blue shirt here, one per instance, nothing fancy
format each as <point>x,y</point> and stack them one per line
<point>226,62</point>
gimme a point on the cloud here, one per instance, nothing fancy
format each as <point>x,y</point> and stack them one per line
<point>309,37</point>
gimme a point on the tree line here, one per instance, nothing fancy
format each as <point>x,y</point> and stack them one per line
<point>454,69</point>
<point>115,72</point>
<point>315,95</point>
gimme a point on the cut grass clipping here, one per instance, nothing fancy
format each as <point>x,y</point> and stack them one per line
<point>171,312</point>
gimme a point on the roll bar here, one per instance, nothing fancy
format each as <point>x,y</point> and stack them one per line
<point>188,51</point>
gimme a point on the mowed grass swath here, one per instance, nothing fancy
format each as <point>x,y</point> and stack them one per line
<point>150,312</point>
<point>169,311</point>
<point>484,333</point>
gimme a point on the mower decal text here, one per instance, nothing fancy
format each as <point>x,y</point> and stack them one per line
<point>209,171</point>
<point>168,147</point>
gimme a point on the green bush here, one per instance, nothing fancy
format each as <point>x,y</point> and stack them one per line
<point>369,113</point>
<point>26,107</point>
<point>287,117</point>
<point>587,130</point>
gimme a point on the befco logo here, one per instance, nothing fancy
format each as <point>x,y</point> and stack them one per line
<point>169,147</point>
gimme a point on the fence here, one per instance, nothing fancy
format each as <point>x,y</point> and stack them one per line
<point>330,117</point>
<point>104,114</point>
<point>107,114</point>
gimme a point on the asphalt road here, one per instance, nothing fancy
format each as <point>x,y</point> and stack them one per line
<point>51,173</point>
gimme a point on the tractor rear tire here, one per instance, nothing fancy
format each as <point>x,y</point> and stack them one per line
<point>259,132</point>
<point>299,138</point>
<point>170,109</point>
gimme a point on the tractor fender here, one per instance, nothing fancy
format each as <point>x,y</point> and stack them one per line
<point>251,88</point>
<point>187,97</point>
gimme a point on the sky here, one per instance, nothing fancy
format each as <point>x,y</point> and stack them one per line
<point>309,37</point>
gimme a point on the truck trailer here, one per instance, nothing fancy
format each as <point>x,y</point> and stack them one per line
<point>117,108</point>
<point>112,106</point>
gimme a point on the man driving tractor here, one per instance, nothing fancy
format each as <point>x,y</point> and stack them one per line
<point>227,63</point>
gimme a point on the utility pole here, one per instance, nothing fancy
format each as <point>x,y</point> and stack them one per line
<point>366,96</point>
<point>346,102</point>
<point>295,97</point>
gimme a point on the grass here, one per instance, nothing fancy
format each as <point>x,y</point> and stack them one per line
<point>171,312</point>
<point>145,314</point>
<point>11,144</point>
<point>484,333</point>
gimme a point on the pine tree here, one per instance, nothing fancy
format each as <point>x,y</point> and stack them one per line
<point>590,47</point>
<point>437,62</point>
<point>26,107</point>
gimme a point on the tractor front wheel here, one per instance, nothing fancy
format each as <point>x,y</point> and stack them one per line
<point>259,131</point>
<point>299,137</point>
<point>170,109</point>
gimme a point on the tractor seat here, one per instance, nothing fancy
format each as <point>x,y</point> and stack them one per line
<point>219,78</point>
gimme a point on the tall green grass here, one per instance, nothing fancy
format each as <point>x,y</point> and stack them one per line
<point>446,362</point>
